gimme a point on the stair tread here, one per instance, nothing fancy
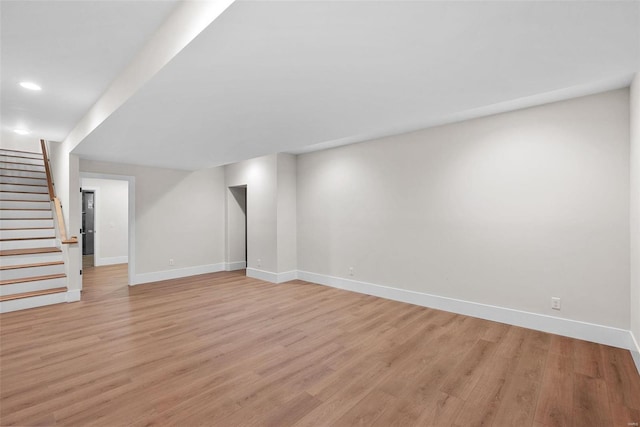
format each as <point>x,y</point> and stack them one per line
<point>21,163</point>
<point>20,151</point>
<point>27,238</point>
<point>24,192</point>
<point>32,279</point>
<point>33,294</point>
<point>21,157</point>
<point>34,228</point>
<point>20,183</point>
<point>28,251</point>
<point>25,209</point>
<point>22,219</point>
<point>35,264</point>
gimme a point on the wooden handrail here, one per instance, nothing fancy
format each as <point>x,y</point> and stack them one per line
<point>55,200</point>
<point>52,193</point>
<point>61,227</point>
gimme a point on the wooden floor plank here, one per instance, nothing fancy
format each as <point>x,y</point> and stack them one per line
<point>224,349</point>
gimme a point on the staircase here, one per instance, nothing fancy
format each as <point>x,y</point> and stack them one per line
<point>32,271</point>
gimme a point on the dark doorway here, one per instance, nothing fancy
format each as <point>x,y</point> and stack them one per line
<point>88,222</point>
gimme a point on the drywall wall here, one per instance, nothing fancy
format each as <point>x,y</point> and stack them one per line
<point>259,175</point>
<point>21,143</point>
<point>286,206</point>
<point>635,214</point>
<point>111,214</point>
<point>236,232</point>
<point>271,214</point>
<point>179,216</point>
<point>508,210</point>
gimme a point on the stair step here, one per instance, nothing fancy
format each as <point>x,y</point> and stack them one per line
<point>23,174</point>
<point>31,270</point>
<point>21,160</point>
<point>28,242</point>
<point>31,279</point>
<point>22,180</point>
<point>30,154</point>
<point>28,251</point>
<point>25,213</point>
<point>25,222</point>
<point>16,233</point>
<point>24,188</point>
<point>32,294</point>
<point>24,204</point>
<point>32,265</point>
<point>22,166</point>
<point>30,257</point>
<point>15,195</point>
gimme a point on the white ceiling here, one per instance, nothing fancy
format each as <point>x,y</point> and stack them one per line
<point>73,49</point>
<point>285,76</point>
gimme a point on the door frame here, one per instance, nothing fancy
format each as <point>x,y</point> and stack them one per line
<point>131,219</point>
<point>96,198</point>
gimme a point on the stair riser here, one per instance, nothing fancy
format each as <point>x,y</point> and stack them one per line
<point>31,302</point>
<point>4,152</point>
<point>24,244</point>
<point>22,180</point>
<point>26,223</point>
<point>38,285</point>
<point>19,273</point>
<point>5,204</point>
<point>24,188</point>
<point>36,232</point>
<point>22,167</point>
<point>23,174</point>
<point>30,259</point>
<point>31,161</point>
<point>24,196</point>
<point>6,214</point>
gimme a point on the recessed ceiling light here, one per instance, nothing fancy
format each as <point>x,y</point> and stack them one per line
<point>30,86</point>
<point>22,131</point>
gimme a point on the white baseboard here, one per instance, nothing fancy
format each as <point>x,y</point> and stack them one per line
<point>571,328</point>
<point>73,295</point>
<point>177,273</point>
<point>99,262</point>
<point>268,276</point>
<point>235,265</point>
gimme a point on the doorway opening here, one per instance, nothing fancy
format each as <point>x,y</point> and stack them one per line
<point>237,228</point>
<point>88,228</point>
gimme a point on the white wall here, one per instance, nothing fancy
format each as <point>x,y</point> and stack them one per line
<point>260,177</point>
<point>236,233</point>
<point>179,215</point>
<point>286,205</point>
<point>21,143</point>
<point>635,215</point>
<point>507,210</point>
<point>111,215</point>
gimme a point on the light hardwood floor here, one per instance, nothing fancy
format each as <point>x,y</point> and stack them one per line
<point>225,350</point>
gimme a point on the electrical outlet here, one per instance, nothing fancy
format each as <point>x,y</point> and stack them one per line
<point>350,271</point>
<point>555,303</point>
<point>170,261</point>
<point>259,262</point>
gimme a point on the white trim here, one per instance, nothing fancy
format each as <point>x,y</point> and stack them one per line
<point>73,295</point>
<point>269,276</point>
<point>32,302</point>
<point>235,265</point>
<point>287,276</point>
<point>111,260</point>
<point>571,328</point>
<point>158,276</point>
